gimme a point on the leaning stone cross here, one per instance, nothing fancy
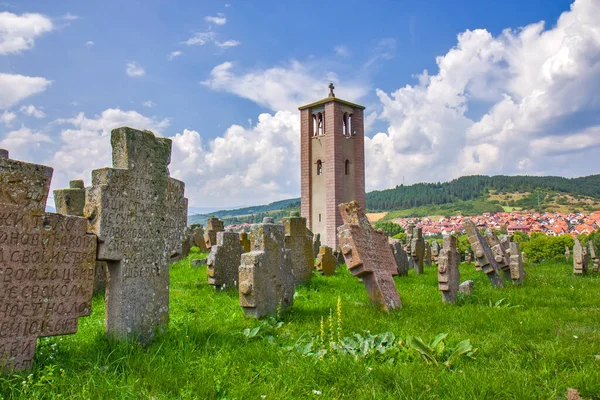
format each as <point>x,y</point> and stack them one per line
<point>46,264</point>
<point>128,208</point>
<point>484,257</point>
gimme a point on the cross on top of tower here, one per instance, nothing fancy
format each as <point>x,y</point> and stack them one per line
<point>331,87</point>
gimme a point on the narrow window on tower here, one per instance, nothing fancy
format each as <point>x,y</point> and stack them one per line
<point>314,120</point>
<point>320,124</point>
<point>319,217</point>
<point>319,167</point>
<point>345,124</point>
<point>350,125</point>
<point>347,167</point>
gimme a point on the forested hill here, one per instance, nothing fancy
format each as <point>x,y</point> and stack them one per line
<point>477,186</point>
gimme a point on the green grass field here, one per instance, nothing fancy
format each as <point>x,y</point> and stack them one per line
<point>542,339</point>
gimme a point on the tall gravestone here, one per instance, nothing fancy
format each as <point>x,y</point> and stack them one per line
<point>400,256</point>
<point>592,255</point>
<point>71,201</point>
<point>417,248</point>
<point>580,259</point>
<point>300,241</point>
<point>484,258</point>
<point>223,261</point>
<point>427,254</point>
<point>499,252</point>
<point>316,244</point>
<point>129,209</point>
<point>368,256</point>
<point>266,278</point>
<point>567,253</point>
<point>517,273</point>
<point>213,226</point>
<point>175,225</point>
<point>244,242</point>
<point>46,264</point>
<point>326,262</point>
<point>448,273</point>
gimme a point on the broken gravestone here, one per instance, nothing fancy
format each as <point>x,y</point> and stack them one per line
<point>580,259</point>
<point>127,207</point>
<point>417,248</point>
<point>592,255</point>
<point>499,252</point>
<point>466,288</point>
<point>198,238</point>
<point>300,241</point>
<point>71,201</point>
<point>46,265</point>
<point>448,273</point>
<point>326,262</point>
<point>368,256</point>
<point>266,278</point>
<point>316,244</point>
<point>400,256</point>
<point>213,226</point>
<point>244,242</point>
<point>517,273</point>
<point>483,255</point>
<point>222,265</point>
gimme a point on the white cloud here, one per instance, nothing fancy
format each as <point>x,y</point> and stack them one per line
<point>219,19</point>
<point>18,32</point>
<point>342,51</point>
<point>7,118</point>
<point>32,111</point>
<point>200,39</point>
<point>89,43</point>
<point>70,17</point>
<point>538,91</point>
<point>134,70</point>
<point>227,43</point>
<point>15,88</point>
<point>149,104</point>
<point>23,143</point>
<point>280,88</point>
<point>174,54</point>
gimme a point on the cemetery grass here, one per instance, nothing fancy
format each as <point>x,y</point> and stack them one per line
<point>540,340</point>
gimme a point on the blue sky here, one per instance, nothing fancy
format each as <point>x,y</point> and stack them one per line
<point>502,94</point>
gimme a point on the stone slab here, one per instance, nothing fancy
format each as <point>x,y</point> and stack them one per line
<point>484,258</point>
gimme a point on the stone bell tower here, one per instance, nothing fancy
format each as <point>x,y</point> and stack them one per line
<point>332,162</point>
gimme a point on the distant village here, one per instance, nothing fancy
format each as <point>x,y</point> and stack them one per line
<point>551,224</point>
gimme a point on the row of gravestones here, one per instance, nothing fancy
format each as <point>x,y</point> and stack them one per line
<point>128,225</point>
<point>582,255</point>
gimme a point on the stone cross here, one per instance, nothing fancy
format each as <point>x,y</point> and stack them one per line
<point>448,273</point>
<point>592,253</point>
<point>517,273</point>
<point>266,278</point>
<point>223,261</point>
<point>400,256</point>
<point>580,259</point>
<point>499,252</point>
<point>417,248</point>
<point>213,226</point>
<point>46,265</point>
<point>300,241</point>
<point>484,258</point>
<point>244,242</point>
<point>71,201</point>
<point>326,262</point>
<point>368,256</point>
<point>127,207</point>
<point>316,244</point>
<point>331,87</point>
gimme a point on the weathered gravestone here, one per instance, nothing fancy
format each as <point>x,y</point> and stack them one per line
<point>266,278</point>
<point>448,273</point>
<point>427,254</point>
<point>316,244</point>
<point>186,244</point>
<point>198,237</point>
<point>213,226</point>
<point>130,208</point>
<point>499,253</point>
<point>567,253</point>
<point>517,273</point>
<point>484,258</point>
<point>71,201</point>
<point>46,264</point>
<point>400,256</point>
<point>466,287</point>
<point>368,256</point>
<point>435,251</point>
<point>592,254</point>
<point>417,248</point>
<point>244,242</point>
<point>222,265</point>
<point>326,262</point>
<point>300,241</point>
<point>580,259</point>
<point>175,220</point>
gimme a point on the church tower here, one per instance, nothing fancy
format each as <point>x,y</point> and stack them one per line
<point>332,162</point>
